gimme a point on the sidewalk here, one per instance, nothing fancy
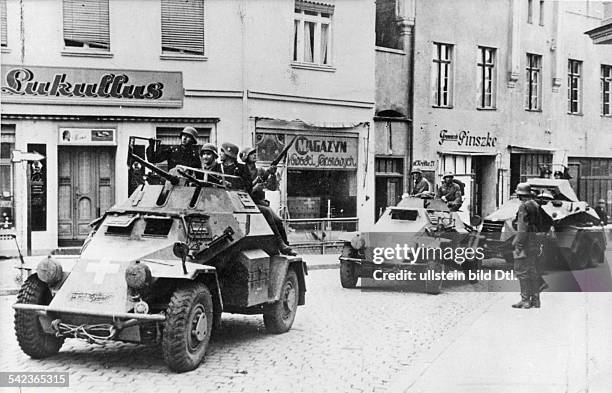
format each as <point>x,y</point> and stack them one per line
<point>8,273</point>
<point>565,346</point>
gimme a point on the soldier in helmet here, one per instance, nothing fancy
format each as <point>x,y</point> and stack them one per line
<point>228,154</point>
<point>208,157</point>
<point>266,179</point>
<point>421,184</point>
<point>450,192</point>
<point>527,248</point>
<point>184,154</point>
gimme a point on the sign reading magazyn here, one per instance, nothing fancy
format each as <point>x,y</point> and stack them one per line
<point>323,152</point>
<point>90,86</point>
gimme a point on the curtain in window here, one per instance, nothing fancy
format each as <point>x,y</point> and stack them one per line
<point>3,22</point>
<point>86,23</point>
<point>308,41</point>
<point>182,26</point>
<point>324,41</point>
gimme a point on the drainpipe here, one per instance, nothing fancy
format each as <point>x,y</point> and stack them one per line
<point>246,138</point>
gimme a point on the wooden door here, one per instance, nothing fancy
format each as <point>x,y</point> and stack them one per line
<point>85,191</point>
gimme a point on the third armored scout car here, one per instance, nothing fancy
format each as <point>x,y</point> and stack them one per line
<point>161,267</point>
<point>424,223</point>
<point>575,238</point>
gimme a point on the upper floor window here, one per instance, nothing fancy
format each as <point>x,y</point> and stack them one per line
<point>86,24</point>
<point>541,15</point>
<point>486,77</point>
<point>533,82</point>
<point>387,30</point>
<point>606,90</point>
<point>442,75</point>
<point>312,32</point>
<point>182,27</point>
<point>4,41</point>
<point>574,86</point>
<point>529,11</point>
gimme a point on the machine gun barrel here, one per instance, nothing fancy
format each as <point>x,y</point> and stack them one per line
<point>171,178</point>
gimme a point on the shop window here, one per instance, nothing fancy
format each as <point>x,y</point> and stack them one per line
<point>442,75</point>
<point>387,31</point>
<point>38,189</point>
<point>533,83</point>
<point>486,76</point>
<point>312,32</point>
<point>574,87</point>
<point>606,90</point>
<point>86,24</point>
<point>182,27</point>
<point>7,202</point>
<point>525,166</point>
<point>3,34</point>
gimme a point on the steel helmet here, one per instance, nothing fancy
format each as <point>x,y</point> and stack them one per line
<point>523,189</point>
<point>192,132</point>
<point>244,154</point>
<point>546,196</point>
<point>416,170</point>
<point>230,149</point>
<point>448,174</point>
<point>210,147</point>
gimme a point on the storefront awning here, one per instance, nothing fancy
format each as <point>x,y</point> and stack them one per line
<point>530,149</point>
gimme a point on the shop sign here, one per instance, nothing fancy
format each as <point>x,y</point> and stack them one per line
<point>466,139</point>
<point>323,152</point>
<point>89,86</point>
<point>424,165</point>
<point>87,136</point>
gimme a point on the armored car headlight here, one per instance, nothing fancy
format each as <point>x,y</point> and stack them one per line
<point>138,275</point>
<point>49,271</point>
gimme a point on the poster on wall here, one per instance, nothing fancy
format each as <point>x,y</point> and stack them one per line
<point>87,136</point>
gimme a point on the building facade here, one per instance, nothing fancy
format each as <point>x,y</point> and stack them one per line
<point>524,88</point>
<point>261,73</point>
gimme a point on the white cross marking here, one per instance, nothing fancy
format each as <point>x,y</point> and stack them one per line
<point>101,268</point>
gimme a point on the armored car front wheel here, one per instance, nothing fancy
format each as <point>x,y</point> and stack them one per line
<point>188,326</point>
<point>30,335</point>
<point>278,317</point>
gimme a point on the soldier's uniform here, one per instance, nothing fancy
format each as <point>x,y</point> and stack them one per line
<point>452,193</point>
<point>230,166</point>
<point>187,155</point>
<point>527,247</point>
<point>420,186</point>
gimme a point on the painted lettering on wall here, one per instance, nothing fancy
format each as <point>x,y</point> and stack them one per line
<point>464,138</point>
<point>323,152</point>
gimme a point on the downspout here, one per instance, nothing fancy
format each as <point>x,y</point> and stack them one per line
<point>246,138</point>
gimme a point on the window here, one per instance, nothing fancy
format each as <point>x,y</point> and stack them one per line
<point>387,30</point>
<point>541,12</point>
<point>7,145</point>
<point>312,31</point>
<point>532,82</point>
<point>529,11</point>
<point>182,27</point>
<point>3,41</point>
<point>442,75</point>
<point>574,86</point>
<point>486,77</point>
<point>86,24</point>
<point>606,90</point>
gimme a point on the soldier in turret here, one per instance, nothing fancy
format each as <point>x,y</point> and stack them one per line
<point>450,192</point>
<point>421,184</point>
<point>184,154</point>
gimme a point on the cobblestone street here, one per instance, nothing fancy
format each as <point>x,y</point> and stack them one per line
<point>342,340</point>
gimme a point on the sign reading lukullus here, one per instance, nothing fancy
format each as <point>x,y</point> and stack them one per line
<point>87,86</point>
<point>323,152</point>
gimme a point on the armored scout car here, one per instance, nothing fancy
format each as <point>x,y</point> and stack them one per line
<point>576,238</point>
<point>161,267</point>
<point>424,223</point>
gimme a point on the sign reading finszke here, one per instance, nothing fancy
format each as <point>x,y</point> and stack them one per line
<point>323,152</point>
<point>89,86</point>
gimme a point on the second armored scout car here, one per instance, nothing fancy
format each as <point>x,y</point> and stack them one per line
<point>161,267</point>
<point>576,239</point>
<point>424,223</point>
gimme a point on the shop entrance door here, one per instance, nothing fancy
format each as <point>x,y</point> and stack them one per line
<point>388,193</point>
<point>85,190</point>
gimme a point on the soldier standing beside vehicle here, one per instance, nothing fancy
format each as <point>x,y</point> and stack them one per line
<point>527,247</point>
<point>450,192</point>
<point>184,154</point>
<point>420,183</point>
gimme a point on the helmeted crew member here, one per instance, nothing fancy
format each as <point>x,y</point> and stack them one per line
<point>450,192</point>
<point>208,157</point>
<point>527,247</point>
<point>266,178</point>
<point>600,209</point>
<point>420,183</point>
<point>228,154</point>
<point>184,154</point>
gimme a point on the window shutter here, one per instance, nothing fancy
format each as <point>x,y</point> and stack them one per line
<point>3,22</point>
<point>183,26</point>
<point>86,22</point>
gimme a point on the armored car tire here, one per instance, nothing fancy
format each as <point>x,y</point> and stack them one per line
<point>596,254</point>
<point>278,317</point>
<point>348,274</point>
<point>31,338</point>
<point>188,325</point>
